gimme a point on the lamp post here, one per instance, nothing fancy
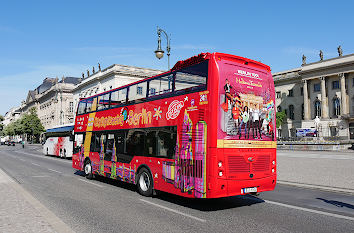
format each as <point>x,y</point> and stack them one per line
<point>159,52</point>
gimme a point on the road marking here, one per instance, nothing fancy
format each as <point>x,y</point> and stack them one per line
<point>91,183</point>
<point>36,164</point>
<point>54,170</point>
<point>311,210</point>
<point>43,156</point>
<point>325,188</point>
<point>40,176</point>
<point>172,210</point>
<point>22,159</point>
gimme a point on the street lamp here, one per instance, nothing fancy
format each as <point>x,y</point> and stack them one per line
<point>159,52</point>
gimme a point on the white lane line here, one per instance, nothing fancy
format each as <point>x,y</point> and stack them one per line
<point>311,210</point>
<point>172,210</point>
<point>36,164</point>
<point>40,176</point>
<point>54,170</point>
<point>22,159</point>
<point>91,183</point>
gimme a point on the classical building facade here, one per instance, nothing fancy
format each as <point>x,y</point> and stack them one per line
<point>12,115</point>
<point>112,77</point>
<point>53,100</point>
<point>318,95</point>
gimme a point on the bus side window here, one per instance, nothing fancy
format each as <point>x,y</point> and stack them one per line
<point>135,141</point>
<point>95,143</point>
<point>166,142</point>
<point>150,143</point>
<point>79,142</point>
<point>109,147</point>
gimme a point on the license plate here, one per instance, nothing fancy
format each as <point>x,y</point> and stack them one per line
<point>249,190</point>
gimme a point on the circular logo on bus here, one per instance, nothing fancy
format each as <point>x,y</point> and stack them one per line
<point>174,109</point>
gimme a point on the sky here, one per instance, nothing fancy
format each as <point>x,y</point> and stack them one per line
<point>40,39</point>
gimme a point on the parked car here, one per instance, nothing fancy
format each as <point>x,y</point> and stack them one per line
<point>11,143</point>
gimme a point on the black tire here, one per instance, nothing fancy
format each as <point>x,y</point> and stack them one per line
<point>88,170</point>
<point>64,154</point>
<point>145,182</point>
<point>47,151</point>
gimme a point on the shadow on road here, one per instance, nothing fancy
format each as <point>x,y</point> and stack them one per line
<point>214,204</point>
<point>193,203</point>
<point>337,203</point>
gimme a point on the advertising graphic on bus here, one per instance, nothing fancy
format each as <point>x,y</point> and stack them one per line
<point>58,141</point>
<point>204,129</point>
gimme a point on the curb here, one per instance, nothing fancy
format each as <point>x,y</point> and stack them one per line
<point>319,187</point>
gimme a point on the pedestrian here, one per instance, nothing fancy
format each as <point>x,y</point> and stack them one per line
<point>23,144</point>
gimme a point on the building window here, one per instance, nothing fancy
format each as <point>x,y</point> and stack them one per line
<point>278,94</point>
<point>71,107</point>
<point>279,109</point>
<point>353,82</point>
<point>335,85</point>
<point>317,87</point>
<point>152,91</point>
<point>301,91</point>
<point>336,106</point>
<point>317,106</point>
<point>291,93</point>
<point>302,112</point>
<point>139,90</point>
<point>291,112</point>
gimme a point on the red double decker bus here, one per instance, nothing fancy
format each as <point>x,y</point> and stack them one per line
<point>204,129</point>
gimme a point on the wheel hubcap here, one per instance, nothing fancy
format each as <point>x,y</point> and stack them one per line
<point>144,182</point>
<point>88,169</point>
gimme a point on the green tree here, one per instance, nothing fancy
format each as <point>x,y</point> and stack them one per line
<point>281,117</point>
<point>31,124</point>
<point>1,125</point>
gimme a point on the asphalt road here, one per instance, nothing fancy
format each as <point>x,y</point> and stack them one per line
<point>104,205</point>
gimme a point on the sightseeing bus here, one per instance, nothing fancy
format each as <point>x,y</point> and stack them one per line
<point>204,129</point>
<point>58,141</point>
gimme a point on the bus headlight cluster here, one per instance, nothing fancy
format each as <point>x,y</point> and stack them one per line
<point>220,173</point>
<point>219,164</point>
<point>273,162</point>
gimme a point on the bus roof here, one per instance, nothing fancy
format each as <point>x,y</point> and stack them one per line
<point>197,59</point>
<point>64,128</point>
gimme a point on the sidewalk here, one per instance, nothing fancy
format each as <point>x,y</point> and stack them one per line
<point>20,212</point>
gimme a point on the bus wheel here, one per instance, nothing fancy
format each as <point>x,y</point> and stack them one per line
<point>47,151</point>
<point>64,153</point>
<point>88,170</point>
<point>145,182</point>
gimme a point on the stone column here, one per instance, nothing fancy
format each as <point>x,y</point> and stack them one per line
<point>306,102</point>
<point>324,104</point>
<point>344,106</point>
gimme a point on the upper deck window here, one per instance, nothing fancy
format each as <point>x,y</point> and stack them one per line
<point>160,85</point>
<point>82,107</point>
<point>137,91</point>
<point>118,97</point>
<point>192,77</point>
<point>103,101</point>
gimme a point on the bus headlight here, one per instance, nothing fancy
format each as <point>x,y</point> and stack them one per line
<point>273,162</point>
<point>273,170</point>
<point>219,164</point>
<point>220,173</point>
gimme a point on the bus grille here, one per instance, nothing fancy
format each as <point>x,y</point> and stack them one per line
<point>262,164</point>
<point>238,164</point>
